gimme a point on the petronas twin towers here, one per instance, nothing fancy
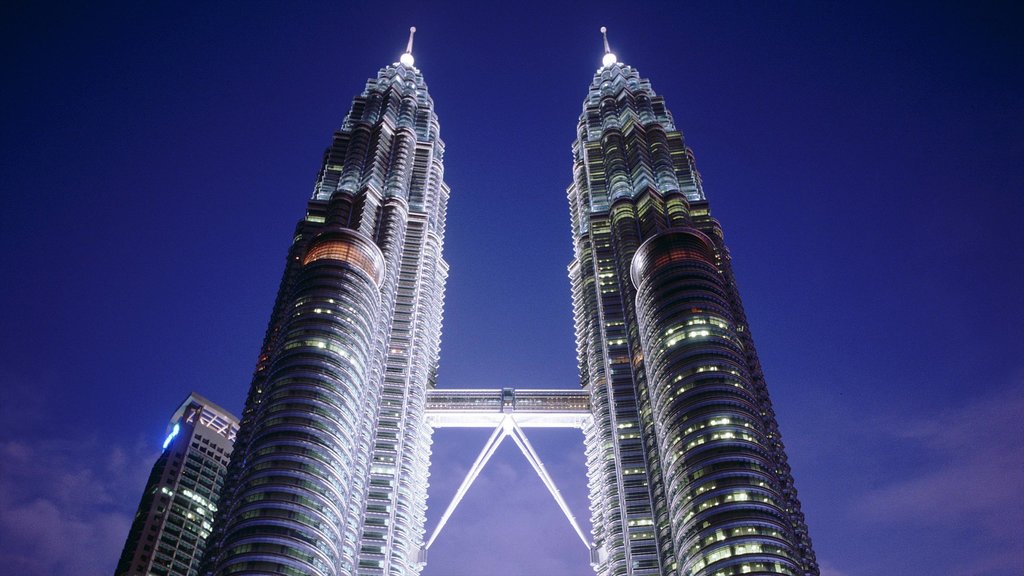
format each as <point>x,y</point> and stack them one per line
<point>687,473</point>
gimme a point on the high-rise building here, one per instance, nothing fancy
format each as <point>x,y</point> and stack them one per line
<point>169,532</point>
<point>330,468</point>
<point>687,473</point>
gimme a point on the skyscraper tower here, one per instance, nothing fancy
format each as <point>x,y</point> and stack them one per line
<point>169,532</point>
<point>330,467</point>
<point>687,473</point>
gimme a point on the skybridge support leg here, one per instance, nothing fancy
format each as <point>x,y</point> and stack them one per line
<point>492,444</point>
<point>519,437</point>
<point>507,428</point>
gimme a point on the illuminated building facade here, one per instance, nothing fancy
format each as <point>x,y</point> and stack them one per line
<point>686,470</point>
<point>687,473</point>
<point>169,532</point>
<point>330,472</point>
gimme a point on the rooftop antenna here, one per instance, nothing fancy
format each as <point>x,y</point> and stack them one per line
<point>609,58</point>
<point>406,57</point>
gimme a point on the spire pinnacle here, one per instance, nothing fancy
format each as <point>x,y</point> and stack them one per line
<point>406,57</point>
<point>408,47</point>
<point>609,57</point>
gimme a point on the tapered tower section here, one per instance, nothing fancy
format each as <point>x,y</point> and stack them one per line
<point>329,473</point>
<point>687,473</point>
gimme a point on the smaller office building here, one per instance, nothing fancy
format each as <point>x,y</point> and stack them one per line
<point>168,535</point>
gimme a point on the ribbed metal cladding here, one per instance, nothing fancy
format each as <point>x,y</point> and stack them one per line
<point>304,458</point>
<point>725,503</point>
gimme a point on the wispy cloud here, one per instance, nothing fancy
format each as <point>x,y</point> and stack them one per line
<point>827,569</point>
<point>65,507</point>
<point>971,475</point>
<point>508,524</point>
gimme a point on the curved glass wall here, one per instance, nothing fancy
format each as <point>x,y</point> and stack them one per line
<point>330,473</point>
<point>724,502</point>
<point>687,474</point>
<point>303,458</point>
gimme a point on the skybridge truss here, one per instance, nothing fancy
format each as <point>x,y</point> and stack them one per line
<point>508,411</point>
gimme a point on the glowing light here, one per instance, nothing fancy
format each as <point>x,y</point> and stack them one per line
<point>174,432</point>
<point>507,425</point>
<point>608,58</point>
<point>407,59</point>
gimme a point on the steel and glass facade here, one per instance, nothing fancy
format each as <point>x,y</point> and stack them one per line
<point>687,473</point>
<point>686,469</point>
<point>168,535</point>
<point>330,473</point>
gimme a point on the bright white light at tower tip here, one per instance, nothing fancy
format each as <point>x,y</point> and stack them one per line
<point>609,59</point>
<point>407,59</point>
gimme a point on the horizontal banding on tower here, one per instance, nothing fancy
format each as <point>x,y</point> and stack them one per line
<point>725,506</point>
<point>669,247</point>
<point>350,247</point>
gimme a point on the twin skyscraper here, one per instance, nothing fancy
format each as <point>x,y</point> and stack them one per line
<point>686,469</point>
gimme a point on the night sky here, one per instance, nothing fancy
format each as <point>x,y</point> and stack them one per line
<point>866,162</point>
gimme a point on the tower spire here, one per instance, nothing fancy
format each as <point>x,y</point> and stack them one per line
<point>609,58</point>
<point>406,57</point>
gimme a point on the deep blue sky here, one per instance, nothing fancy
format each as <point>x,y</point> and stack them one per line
<point>866,162</point>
